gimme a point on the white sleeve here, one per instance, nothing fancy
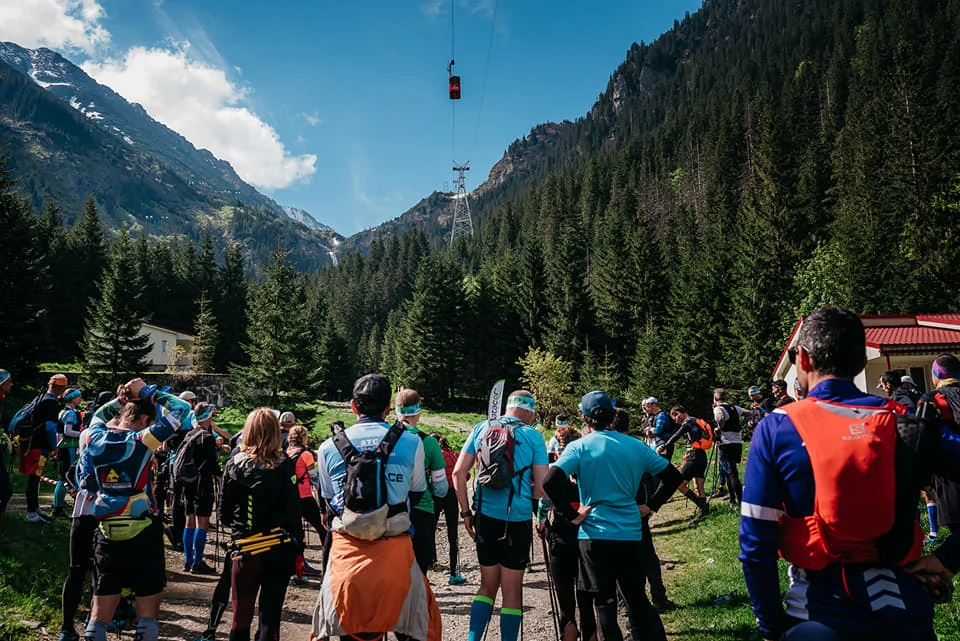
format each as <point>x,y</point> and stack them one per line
<point>418,482</point>
<point>325,482</point>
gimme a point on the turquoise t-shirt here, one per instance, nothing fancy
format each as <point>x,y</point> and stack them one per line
<point>528,450</point>
<point>609,466</point>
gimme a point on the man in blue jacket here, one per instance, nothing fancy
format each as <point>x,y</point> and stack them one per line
<point>861,585</point>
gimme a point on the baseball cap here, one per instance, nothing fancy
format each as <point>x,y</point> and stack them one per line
<point>59,380</point>
<point>187,395</point>
<point>287,418</point>
<point>595,404</point>
<point>650,400</point>
<point>754,390</point>
<point>903,379</point>
<point>373,389</point>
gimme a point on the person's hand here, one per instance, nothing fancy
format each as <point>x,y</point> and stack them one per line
<point>582,513</point>
<point>661,449</point>
<point>135,386</point>
<point>541,530</point>
<point>468,525</point>
<point>645,511</point>
<point>928,569</point>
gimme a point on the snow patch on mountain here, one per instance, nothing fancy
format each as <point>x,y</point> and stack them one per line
<point>304,217</point>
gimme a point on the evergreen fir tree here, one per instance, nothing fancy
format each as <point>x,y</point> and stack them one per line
<point>230,305</point>
<point>21,270</point>
<point>278,331</point>
<point>205,337</point>
<point>115,349</point>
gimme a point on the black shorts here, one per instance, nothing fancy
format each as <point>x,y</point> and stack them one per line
<point>137,564</point>
<point>694,465</point>
<point>503,543</point>
<point>198,498</point>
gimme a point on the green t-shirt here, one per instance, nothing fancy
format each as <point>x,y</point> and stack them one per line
<point>435,470</point>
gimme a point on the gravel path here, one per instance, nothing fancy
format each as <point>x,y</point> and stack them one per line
<point>186,600</point>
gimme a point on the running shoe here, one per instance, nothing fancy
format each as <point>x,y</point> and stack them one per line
<point>718,493</point>
<point>60,513</point>
<point>456,579</point>
<point>187,567</point>
<point>69,635</point>
<point>203,568</point>
<point>37,517</point>
<point>664,604</point>
<point>308,570</point>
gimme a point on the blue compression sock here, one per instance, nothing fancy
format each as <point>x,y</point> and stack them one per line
<point>188,535</point>
<point>147,630</point>
<point>199,542</point>
<point>96,631</point>
<point>932,516</point>
<point>510,622</point>
<point>480,611</point>
<point>60,495</point>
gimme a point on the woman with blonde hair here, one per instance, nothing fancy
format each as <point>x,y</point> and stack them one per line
<point>259,502</point>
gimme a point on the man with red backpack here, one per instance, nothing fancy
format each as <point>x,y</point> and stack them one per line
<point>699,435</point>
<point>511,464</point>
<point>831,486</point>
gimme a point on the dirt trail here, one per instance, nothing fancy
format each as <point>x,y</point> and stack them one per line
<point>186,602</point>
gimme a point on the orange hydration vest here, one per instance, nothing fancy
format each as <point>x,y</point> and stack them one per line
<point>851,450</point>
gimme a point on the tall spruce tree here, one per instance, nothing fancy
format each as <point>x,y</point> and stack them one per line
<point>115,347</point>
<point>21,271</point>
<point>205,337</point>
<point>230,305</point>
<point>278,330</point>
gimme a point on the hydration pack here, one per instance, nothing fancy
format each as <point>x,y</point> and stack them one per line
<point>24,422</point>
<point>185,468</point>
<point>704,440</point>
<point>495,456</point>
<point>365,508</point>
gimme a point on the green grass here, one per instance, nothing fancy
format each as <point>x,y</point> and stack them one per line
<point>707,581</point>
<point>33,564</point>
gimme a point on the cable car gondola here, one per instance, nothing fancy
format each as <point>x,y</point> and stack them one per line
<point>454,84</point>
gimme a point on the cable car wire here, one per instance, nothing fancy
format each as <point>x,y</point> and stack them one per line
<point>486,72</point>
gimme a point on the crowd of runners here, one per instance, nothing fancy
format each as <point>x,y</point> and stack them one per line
<point>832,483</point>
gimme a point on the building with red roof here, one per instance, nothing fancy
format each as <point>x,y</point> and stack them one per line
<point>904,342</point>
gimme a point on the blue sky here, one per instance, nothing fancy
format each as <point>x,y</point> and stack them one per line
<point>341,109</point>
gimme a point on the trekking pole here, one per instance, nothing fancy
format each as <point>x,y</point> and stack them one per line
<point>551,590</point>
<point>710,462</point>
<point>216,507</point>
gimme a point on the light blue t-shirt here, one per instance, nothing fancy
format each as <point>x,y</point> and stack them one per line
<point>609,467</point>
<point>528,450</point>
<point>404,469</point>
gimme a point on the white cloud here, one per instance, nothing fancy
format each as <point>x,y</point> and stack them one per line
<point>201,103</point>
<point>59,24</point>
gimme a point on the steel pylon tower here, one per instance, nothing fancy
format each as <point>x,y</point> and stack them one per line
<point>462,223</point>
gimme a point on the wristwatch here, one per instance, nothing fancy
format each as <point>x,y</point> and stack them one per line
<point>464,515</point>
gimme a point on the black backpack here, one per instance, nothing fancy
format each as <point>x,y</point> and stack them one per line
<point>185,468</point>
<point>365,488</point>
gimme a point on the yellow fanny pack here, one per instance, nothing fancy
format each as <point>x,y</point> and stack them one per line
<point>123,528</point>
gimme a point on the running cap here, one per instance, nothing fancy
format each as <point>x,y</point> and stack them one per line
<point>754,390</point>
<point>595,404</point>
<point>561,422</point>
<point>903,379</point>
<point>4,376</point>
<point>188,396</point>
<point>59,380</point>
<point>287,418</point>
<point>650,400</point>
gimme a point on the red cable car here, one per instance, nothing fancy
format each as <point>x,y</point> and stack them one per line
<point>454,83</point>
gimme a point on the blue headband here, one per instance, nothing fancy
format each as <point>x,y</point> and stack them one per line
<point>72,395</point>
<point>941,372</point>
<point>4,375</point>
<point>523,402</point>
<point>409,410</point>
<point>207,413</point>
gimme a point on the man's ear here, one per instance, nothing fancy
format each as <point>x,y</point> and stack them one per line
<point>353,407</point>
<point>804,361</point>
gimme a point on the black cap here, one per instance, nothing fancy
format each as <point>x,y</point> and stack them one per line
<point>372,393</point>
